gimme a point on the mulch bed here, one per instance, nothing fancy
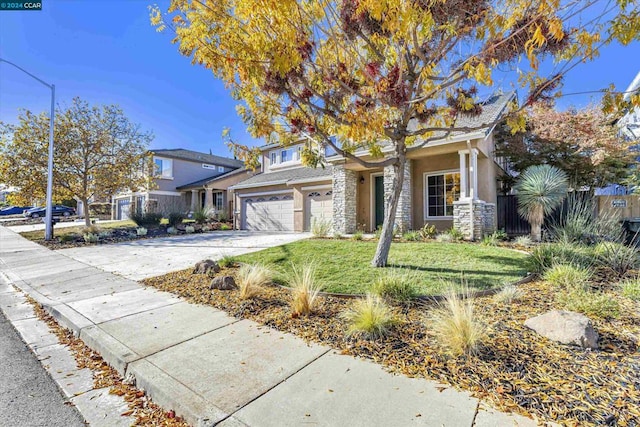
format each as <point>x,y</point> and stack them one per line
<point>516,370</point>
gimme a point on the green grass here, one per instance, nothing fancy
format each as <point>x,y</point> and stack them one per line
<point>59,232</point>
<point>343,265</point>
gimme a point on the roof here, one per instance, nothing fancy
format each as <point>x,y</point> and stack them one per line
<point>287,176</point>
<point>213,178</point>
<point>196,156</point>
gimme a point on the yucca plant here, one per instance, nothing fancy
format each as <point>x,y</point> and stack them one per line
<point>304,290</point>
<point>250,279</point>
<point>370,317</point>
<point>541,189</point>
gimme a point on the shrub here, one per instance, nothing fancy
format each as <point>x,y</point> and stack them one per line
<point>456,235</point>
<point>524,241</point>
<point>508,294</point>
<point>568,276</point>
<point>337,235</point>
<point>250,278</point>
<point>189,229</point>
<point>146,219</point>
<point>68,237</point>
<point>175,218</point>
<point>202,215</point>
<point>205,228</point>
<point>411,236</point>
<point>222,215</point>
<point>501,235</point>
<point>370,317</point>
<point>428,231</point>
<point>547,255</point>
<point>92,229</point>
<point>590,303</point>
<point>141,231</point>
<point>320,227</point>
<point>227,261</point>
<point>444,238</point>
<point>225,227</point>
<point>617,257</point>
<point>90,238</point>
<point>455,325</point>
<point>172,230</point>
<point>490,240</point>
<point>104,234</point>
<point>304,290</point>
<point>358,235</point>
<point>631,289</point>
<point>396,285</point>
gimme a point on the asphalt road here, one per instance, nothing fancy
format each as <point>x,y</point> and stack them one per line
<point>28,395</point>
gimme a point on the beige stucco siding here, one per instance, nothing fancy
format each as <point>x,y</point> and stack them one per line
<point>184,172</point>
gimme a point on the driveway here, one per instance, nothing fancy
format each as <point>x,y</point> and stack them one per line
<point>140,259</point>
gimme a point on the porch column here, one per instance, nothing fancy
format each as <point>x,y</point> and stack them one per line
<point>194,200</point>
<point>403,211</point>
<point>463,174</point>
<point>344,200</point>
<point>208,198</point>
<point>473,172</point>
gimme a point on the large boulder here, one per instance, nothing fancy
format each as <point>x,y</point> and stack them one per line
<point>223,283</point>
<point>206,266</point>
<point>565,327</point>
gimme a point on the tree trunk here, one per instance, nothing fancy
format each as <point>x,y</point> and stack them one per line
<point>390,206</point>
<point>87,216</point>
<point>536,231</point>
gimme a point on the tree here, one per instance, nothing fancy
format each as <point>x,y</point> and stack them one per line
<point>385,76</point>
<point>541,188</point>
<point>98,151</point>
<point>584,144</point>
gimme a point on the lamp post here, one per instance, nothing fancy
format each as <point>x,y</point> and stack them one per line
<point>48,230</point>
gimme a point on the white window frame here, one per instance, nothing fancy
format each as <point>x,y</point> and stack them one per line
<point>218,197</point>
<point>425,193</point>
<point>273,157</point>
<point>283,156</point>
<point>161,173</point>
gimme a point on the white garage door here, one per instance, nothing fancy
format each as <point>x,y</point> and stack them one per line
<point>268,213</point>
<point>319,207</point>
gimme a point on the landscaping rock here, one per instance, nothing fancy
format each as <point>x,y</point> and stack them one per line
<point>205,267</point>
<point>223,283</point>
<point>565,327</point>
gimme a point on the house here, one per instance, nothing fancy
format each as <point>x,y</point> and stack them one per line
<point>184,180</point>
<point>449,182</point>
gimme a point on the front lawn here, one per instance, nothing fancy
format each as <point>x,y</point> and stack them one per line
<point>343,266</point>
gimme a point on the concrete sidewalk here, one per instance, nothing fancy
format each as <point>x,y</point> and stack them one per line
<point>212,368</point>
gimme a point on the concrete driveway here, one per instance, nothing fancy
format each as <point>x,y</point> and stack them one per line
<point>140,259</point>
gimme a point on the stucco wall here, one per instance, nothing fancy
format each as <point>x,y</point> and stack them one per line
<point>184,172</point>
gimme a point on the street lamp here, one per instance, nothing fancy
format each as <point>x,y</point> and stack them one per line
<point>48,225</point>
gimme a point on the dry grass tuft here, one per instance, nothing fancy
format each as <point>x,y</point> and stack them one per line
<point>370,317</point>
<point>250,279</point>
<point>456,327</point>
<point>304,290</point>
<point>508,294</point>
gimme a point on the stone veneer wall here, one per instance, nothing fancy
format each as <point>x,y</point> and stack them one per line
<point>483,219</point>
<point>344,200</point>
<point>403,212</point>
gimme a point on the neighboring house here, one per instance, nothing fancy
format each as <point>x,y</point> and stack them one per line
<point>450,182</point>
<point>629,130</point>
<point>184,180</point>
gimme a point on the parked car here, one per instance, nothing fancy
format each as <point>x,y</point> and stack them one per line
<point>13,210</point>
<point>58,210</point>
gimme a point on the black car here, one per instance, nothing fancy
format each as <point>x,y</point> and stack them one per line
<point>13,210</point>
<point>58,210</point>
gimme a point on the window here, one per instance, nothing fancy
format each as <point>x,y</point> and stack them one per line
<point>274,157</point>
<point>441,191</point>
<point>220,168</point>
<point>164,167</point>
<point>219,201</point>
<point>283,156</point>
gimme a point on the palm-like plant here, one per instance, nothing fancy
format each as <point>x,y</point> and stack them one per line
<point>541,189</point>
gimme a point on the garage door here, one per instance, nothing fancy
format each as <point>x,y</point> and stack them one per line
<point>268,213</point>
<point>319,207</point>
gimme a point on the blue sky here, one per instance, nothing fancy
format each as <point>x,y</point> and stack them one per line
<point>106,52</point>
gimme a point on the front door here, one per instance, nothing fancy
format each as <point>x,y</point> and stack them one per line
<point>378,201</point>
